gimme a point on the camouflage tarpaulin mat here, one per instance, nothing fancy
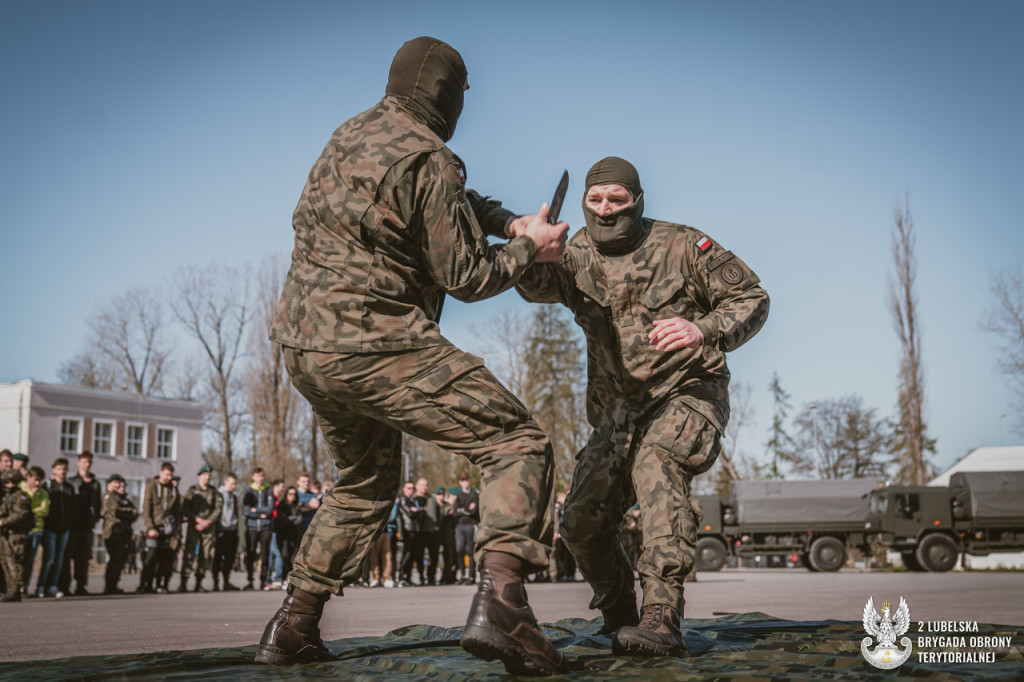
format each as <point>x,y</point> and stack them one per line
<point>741,646</point>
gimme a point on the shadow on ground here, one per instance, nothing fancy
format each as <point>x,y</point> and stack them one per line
<point>738,646</point>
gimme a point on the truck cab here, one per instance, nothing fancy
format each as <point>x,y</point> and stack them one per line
<point>916,521</point>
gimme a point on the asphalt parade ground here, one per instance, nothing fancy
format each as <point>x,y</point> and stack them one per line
<point>38,629</point>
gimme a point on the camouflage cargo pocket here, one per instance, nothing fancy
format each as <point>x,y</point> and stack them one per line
<point>688,437</point>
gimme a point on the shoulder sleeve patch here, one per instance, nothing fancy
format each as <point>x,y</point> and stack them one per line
<point>703,244</point>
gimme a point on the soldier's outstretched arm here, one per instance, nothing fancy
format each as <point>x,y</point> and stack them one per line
<point>456,253</point>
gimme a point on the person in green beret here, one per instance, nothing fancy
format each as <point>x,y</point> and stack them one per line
<point>118,512</point>
<point>200,511</point>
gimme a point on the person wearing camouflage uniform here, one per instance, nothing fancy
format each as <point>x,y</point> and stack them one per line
<point>200,511</point>
<point>118,513</point>
<point>161,512</point>
<point>660,305</point>
<point>385,227</point>
<point>16,520</point>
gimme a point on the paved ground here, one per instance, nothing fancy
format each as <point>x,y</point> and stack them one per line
<point>72,626</point>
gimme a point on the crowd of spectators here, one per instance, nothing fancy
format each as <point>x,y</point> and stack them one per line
<point>428,540</point>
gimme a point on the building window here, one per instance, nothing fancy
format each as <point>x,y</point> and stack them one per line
<point>133,489</point>
<point>103,438</point>
<point>135,440</point>
<point>165,444</point>
<point>69,430</point>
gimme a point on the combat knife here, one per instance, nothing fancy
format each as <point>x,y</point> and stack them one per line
<point>556,203</point>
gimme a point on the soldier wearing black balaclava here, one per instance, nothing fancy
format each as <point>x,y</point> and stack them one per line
<point>384,229</point>
<point>660,305</point>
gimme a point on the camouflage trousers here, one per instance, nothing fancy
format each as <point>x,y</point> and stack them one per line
<point>365,402</point>
<point>12,551</point>
<point>652,463</point>
<point>199,550</point>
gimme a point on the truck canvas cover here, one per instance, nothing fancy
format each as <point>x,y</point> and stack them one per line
<point>802,501</point>
<point>989,494</point>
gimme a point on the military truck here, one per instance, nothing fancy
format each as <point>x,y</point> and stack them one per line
<point>815,520</point>
<point>931,526</point>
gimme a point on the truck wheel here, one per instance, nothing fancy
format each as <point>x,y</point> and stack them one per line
<point>807,564</point>
<point>937,553</point>
<point>827,554</point>
<point>710,554</point>
<point>910,561</point>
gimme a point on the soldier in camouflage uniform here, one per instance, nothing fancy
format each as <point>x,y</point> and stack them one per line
<point>161,512</point>
<point>200,511</point>
<point>384,229</point>
<point>118,513</point>
<point>660,305</point>
<point>16,520</point>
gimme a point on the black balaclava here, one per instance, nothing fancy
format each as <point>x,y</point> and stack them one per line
<point>427,77</point>
<point>622,231</point>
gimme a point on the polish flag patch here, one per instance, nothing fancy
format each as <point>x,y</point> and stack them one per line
<point>704,244</point>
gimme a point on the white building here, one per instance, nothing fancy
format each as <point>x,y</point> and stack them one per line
<point>127,434</point>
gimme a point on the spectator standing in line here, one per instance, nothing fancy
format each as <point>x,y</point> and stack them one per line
<point>410,518</point>
<point>118,514</point>
<point>258,508</point>
<point>56,528</point>
<point>467,515</point>
<point>226,540</point>
<point>276,560</point>
<point>392,528</point>
<point>40,499</point>
<point>166,569</point>
<point>446,501</point>
<point>288,527</point>
<point>161,513</point>
<point>308,500</point>
<point>200,511</point>
<point>380,557</point>
<point>85,514</point>
<point>16,519</point>
<point>430,530</point>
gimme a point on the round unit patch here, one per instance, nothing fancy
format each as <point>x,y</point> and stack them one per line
<point>732,273</point>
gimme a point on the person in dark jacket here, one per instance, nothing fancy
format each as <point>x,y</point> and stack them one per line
<point>288,526</point>
<point>467,512</point>
<point>258,508</point>
<point>227,533</point>
<point>80,536</point>
<point>56,528</point>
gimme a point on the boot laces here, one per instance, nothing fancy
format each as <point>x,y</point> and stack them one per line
<point>651,617</point>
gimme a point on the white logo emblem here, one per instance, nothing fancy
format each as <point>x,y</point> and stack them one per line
<point>886,655</point>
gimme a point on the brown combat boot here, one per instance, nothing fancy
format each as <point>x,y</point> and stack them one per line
<point>619,615</point>
<point>657,635</point>
<point>501,624</point>
<point>293,634</point>
<point>14,594</point>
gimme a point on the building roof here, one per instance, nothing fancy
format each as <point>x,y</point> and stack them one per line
<point>1008,458</point>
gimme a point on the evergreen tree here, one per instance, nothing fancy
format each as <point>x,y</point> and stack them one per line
<point>780,445</point>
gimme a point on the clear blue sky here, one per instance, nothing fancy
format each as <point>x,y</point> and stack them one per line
<point>136,137</point>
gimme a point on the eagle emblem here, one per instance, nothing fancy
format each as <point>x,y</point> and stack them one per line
<point>886,630</point>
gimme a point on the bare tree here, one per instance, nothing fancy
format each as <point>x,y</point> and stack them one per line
<point>1005,319</point>
<point>274,404</point>
<point>127,347</point>
<point>911,441</point>
<point>851,440</point>
<point>90,369</point>
<point>213,305</point>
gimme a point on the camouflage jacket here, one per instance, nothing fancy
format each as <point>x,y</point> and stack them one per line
<point>161,507</point>
<point>118,514</point>
<point>383,229</point>
<point>677,272</point>
<point>202,504</point>
<point>16,513</point>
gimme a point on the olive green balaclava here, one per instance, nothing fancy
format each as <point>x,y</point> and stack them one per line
<point>427,77</point>
<point>622,231</point>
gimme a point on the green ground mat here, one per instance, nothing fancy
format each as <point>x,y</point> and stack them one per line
<point>751,646</point>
